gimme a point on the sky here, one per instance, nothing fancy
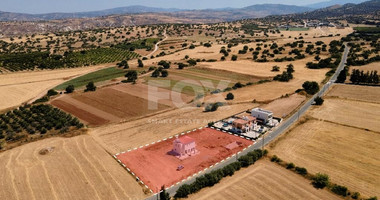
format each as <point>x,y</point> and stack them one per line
<point>48,6</point>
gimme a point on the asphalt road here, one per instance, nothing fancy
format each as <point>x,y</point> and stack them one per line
<point>270,136</point>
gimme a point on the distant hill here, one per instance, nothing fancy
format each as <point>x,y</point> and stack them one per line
<point>333,2</point>
<point>224,14</point>
<point>365,10</point>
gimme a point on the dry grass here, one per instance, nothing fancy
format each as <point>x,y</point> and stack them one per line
<point>264,180</point>
<point>121,137</point>
<point>370,67</point>
<point>348,155</point>
<point>284,106</point>
<point>351,113</point>
<point>356,92</point>
<point>77,168</point>
<point>20,87</point>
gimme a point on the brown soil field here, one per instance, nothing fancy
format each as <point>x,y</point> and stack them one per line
<point>147,161</point>
<point>128,135</point>
<point>370,67</point>
<point>106,105</point>
<point>74,168</point>
<point>351,113</point>
<point>355,92</point>
<point>348,155</point>
<point>20,87</point>
<point>284,106</point>
<point>263,180</point>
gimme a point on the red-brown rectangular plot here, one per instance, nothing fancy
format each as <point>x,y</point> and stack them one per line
<point>156,167</point>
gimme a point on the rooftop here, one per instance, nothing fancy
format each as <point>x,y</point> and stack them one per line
<point>186,140</point>
<point>262,110</point>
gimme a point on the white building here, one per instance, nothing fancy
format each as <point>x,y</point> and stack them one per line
<point>261,114</point>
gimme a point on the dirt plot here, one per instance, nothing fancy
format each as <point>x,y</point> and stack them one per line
<point>263,180</point>
<point>284,106</point>
<point>146,162</point>
<point>106,105</point>
<point>348,155</point>
<point>356,92</point>
<point>128,135</point>
<point>351,113</point>
<point>73,168</point>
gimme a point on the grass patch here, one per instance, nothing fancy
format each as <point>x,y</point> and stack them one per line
<point>98,76</point>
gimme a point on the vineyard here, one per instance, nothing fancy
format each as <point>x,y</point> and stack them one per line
<point>39,120</point>
<point>45,60</point>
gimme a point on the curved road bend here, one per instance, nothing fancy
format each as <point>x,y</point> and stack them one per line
<point>270,136</point>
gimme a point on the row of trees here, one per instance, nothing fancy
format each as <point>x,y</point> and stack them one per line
<point>212,178</point>
<point>361,77</point>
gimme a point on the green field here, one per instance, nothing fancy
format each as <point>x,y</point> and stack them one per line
<point>367,29</point>
<point>98,76</point>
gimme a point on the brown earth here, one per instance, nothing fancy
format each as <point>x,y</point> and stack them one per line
<point>284,106</point>
<point>263,180</point>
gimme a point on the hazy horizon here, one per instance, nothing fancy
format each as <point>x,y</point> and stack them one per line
<point>50,6</point>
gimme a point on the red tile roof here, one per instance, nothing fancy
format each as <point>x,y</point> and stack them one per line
<point>186,140</point>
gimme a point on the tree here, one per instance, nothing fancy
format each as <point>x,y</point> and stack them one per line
<point>70,89</point>
<point>310,87</point>
<point>90,87</point>
<point>163,194</point>
<point>342,76</point>
<point>290,166</point>
<point>131,76</point>
<point>275,68</point>
<point>246,161</point>
<point>339,190</point>
<point>301,170</point>
<point>183,191</point>
<point>164,73</point>
<point>230,96</point>
<point>318,101</point>
<point>181,65</point>
<point>234,57</point>
<point>52,93</point>
<point>320,180</point>
<point>290,69</point>
<point>156,73</point>
<point>123,64</point>
<point>140,62</point>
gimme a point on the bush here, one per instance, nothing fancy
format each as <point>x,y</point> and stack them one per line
<point>230,96</point>
<point>301,170</point>
<point>275,159</point>
<point>70,89</point>
<point>290,166</point>
<point>90,87</point>
<point>339,190</point>
<point>212,107</point>
<point>311,87</point>
<point>320,180</point>
<point>52,93</point>
<point>234,57</point>
<point>318,101</point>
<point>183,191</point>
<point>355,195</point>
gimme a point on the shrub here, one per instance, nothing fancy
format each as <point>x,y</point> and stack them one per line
<point>355,195</point>
<point>301,170</point>
<point>212,107</point>
<point>320,180</point>
<point>290,166</point>
<point>310,87</point>
<point>234,57</point>
<point>275,159</point>
<point>318,101</point>
<point>52,93</point>
<point>90,87</point>
<point>339,190</point>
<point>70,89</point>
<point>230,96</point>
<point>275,68</point>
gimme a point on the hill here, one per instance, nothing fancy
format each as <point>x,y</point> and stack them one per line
<point>226,14</point>
<point>332,3</point>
